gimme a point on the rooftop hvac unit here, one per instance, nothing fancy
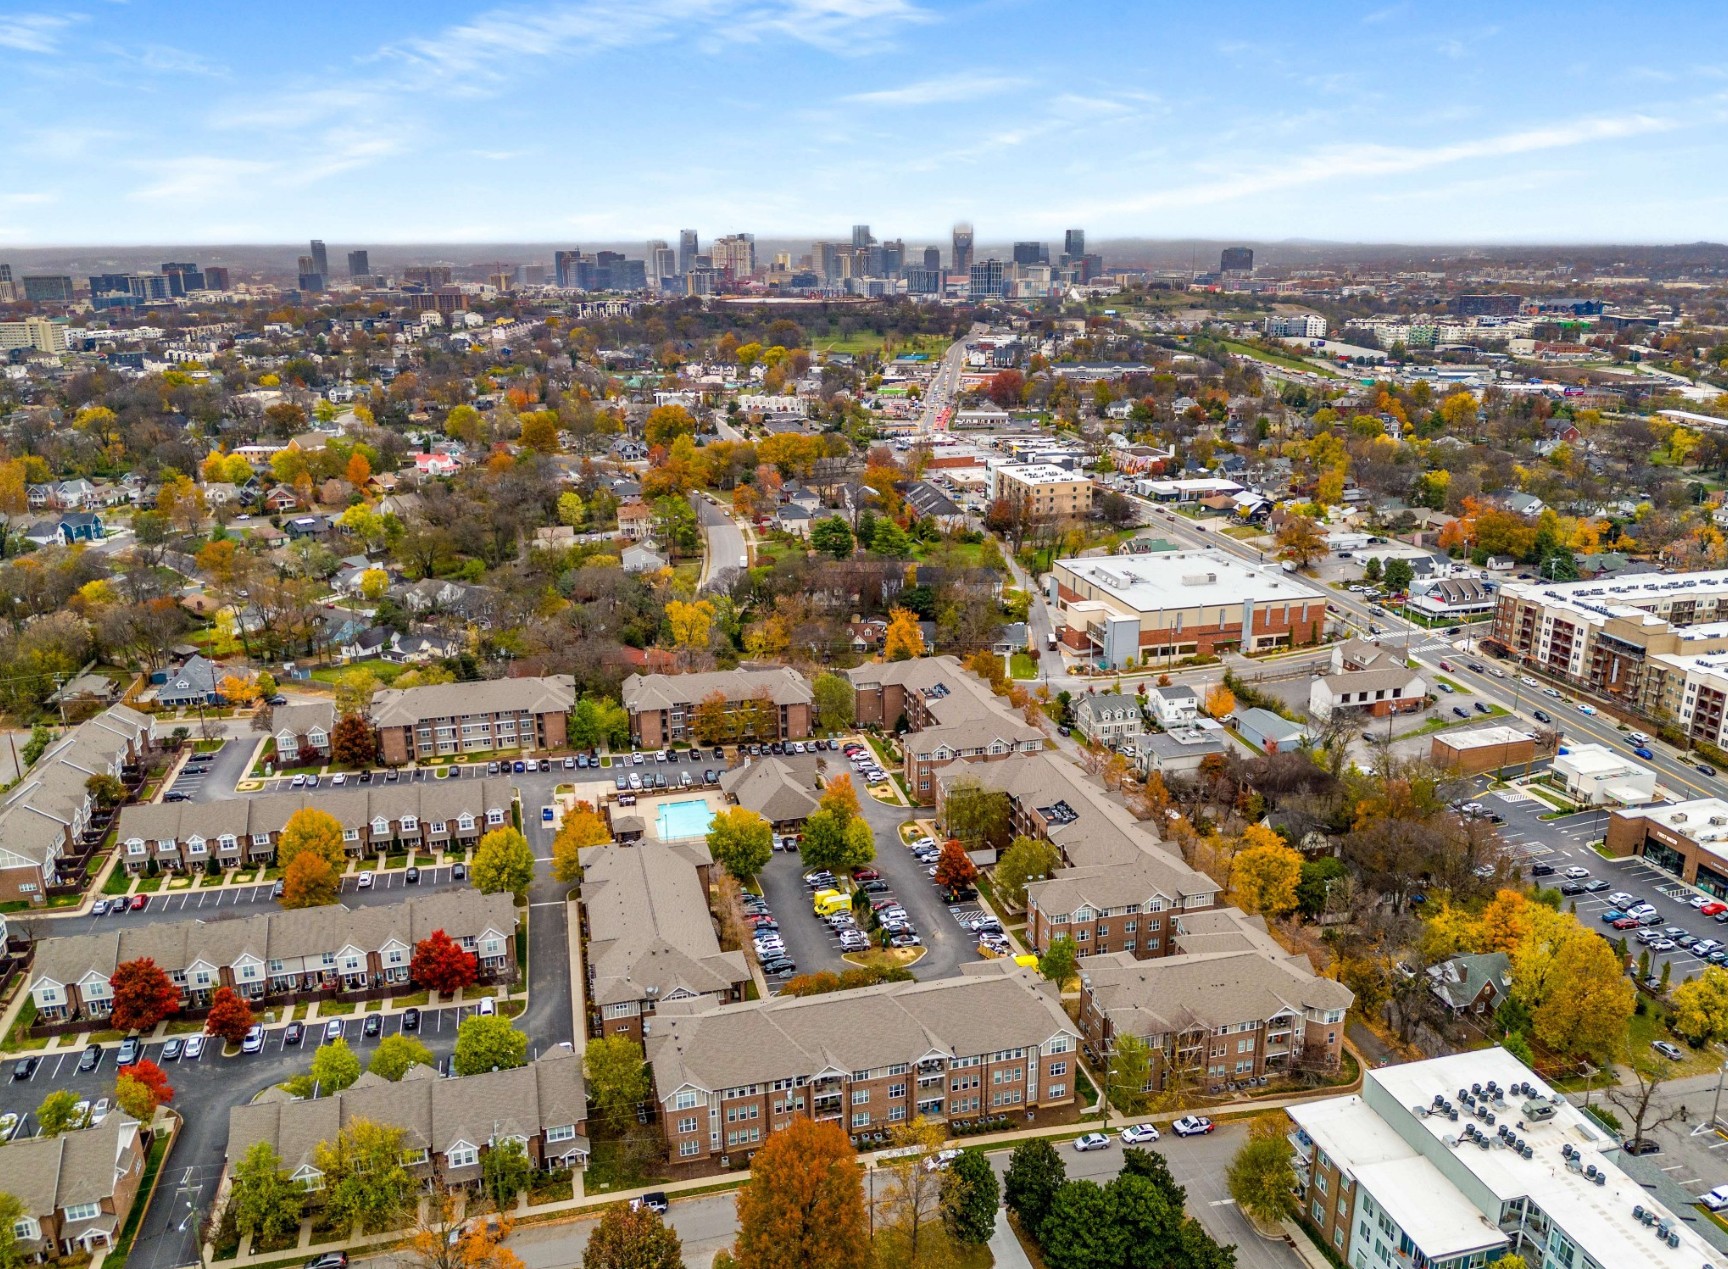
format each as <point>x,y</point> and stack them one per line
<point>1601,1178</point>
<point>1199,579</point>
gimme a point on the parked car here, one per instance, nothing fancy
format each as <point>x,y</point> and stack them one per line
<point>411,1019</point>
<point>1193,1125</point>
<point>254,1041</point>
<point>332,1030</point>
<point>654,1201</point>
<point>329,1260</point>
<point>194,1047</point>
<point>413,876</point>
<point>140,902</point>
<point>1138,1134</point>
<point>366,881</point>
<point>24,1068</point>
<point>1092,1141</point>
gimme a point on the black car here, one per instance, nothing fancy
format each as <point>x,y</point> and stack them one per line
<point>91,1060</point>
<point>719,753</point>
<point>459,872</point>
<point>411,1020</point>
<point>1476,667</point>
<point>1572,887</point>
<point>1705,768</point>
<point>295,1033</point>
<point>875,887</point>
<point>1643,1145</point>
<point>1591,887</point>
<point>24,1068</point>
<point>779,968</point>
<point>1460,711</point>
<point>278,700</point>
<point>374,1024</point>
<point>1481,707</point>
<point>365,777</point>
<point>1542,870</point>
<point>329,1260</point>
<point>413,876</point>
<point>176,796</point>
<point>708,776</point>
<point>1541,716</point>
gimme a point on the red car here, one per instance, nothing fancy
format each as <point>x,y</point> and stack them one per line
<point>139,902</point>
<point>1624,923</point>
<point>1712,908</point>
<point>866,874</point>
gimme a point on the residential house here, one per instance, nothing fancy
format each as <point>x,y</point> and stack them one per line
<point>302,732</point>
<point>1378,693</point>
<point>636,520</point>
<point>446,719</point>
<point>760,704</point>
<point>638,558</point>
<point>1269,733</point>
<point>192,682</point>
<point>1174,705</point>
<point>1475,984</point>
<point>793,519</point>
<point>1180,750</point>
<point>1112,719</point>
<point>76,1190</point>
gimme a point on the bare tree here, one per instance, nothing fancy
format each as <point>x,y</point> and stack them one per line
<point>1637,1099</point>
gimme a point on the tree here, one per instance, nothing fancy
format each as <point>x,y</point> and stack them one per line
<point>365,1179</point>
<point>1079,1231</point>
<point>835,701</point>
<point>617,1078</point>
<point>310,829</point>
<point>1263,879</point>
<point>395,1054</point>
<point>832,536</point>
<point>1220,701</point>
<point>141,1088</point>
<point>503,861</point>
<point>334,1066</point>
<point>12,1214</point>
<point>971,1197</point>
<point>59,1113</point>
<point>354,691</point>
<point>1262,1178</point>
<point>487,1042</point>
<point>691,624</point>
<point>1701,1007</point>
<point>1398,575</point>
<point>1371,570</point>
<point>143,995</point>
<point>1130,1073</point>
<point>1573,986</point>
<point>977,816</point>
<point>230,1016</point>
<point>506,1172</point>
<point>954,867</point>
<point>741,840</point>
<point>1060,960</point>
<point>265,1202</point>
<point>540,431</point>
<point>890,540</point>
<point>1315,884</point>
<point>914,1193</point>
<point>310,882</point>
<point>582,828</point>
<point>632,1238</point>
<point>904,639</point>
<point>1301,539</point>
<point>353,743</point>
<point>1026,859</point>
<point>106,789</point>
<point>840,797</point>
<point>1035,1174</point>
<point>803,1206</point>
<point>1637,1097</point>
<point>836,842</point>
<point>441,964</point>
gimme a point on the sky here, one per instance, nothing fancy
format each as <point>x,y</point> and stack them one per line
<point>181,121</point>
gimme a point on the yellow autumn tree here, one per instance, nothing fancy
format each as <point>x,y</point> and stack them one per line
<point>691,623</point>
<point>903,640</point>
<point>1263,878</point>
<point>1220,701</point>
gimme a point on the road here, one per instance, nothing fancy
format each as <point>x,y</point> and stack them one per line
<point>724,541</point>
<point>708,1224</point>
<point>945,385</point>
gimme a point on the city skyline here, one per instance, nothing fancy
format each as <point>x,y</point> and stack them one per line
<point>1336,122</point>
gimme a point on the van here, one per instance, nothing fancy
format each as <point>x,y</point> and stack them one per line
<point>547,814</point>
<point>828,902</point>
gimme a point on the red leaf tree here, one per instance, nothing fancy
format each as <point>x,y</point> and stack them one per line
<point>440,964</point>
<point>141,1088</point>
<point>153,1078</point>
<point>143,995</point>
<point>230,1016</point>
<point>954,867</point>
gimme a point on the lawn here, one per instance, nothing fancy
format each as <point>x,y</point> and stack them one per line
<point>1647,1026</point>
<point>385,672</point>
<point>1274,359</point>
<point>1023,665</point>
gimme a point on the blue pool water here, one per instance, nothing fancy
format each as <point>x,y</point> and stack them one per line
<point>684,819</point>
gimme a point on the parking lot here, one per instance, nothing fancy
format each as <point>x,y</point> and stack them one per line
<point>223,900</point>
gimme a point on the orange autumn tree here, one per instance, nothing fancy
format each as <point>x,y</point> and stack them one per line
<point>803,1207</point>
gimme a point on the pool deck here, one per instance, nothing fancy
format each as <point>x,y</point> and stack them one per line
<point>651,813</point>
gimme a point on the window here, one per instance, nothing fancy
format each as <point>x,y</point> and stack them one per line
<point>685,1100</point>
<point>860,1096</point>
<point>689,1149</point>
<point>565,1132</point>
<point>687,1124</point>
<point>861,1119</point>
<point>412,1158</point>
<point>82,1211</point>
<point>24,1228</point>
<point>1058,1068</point>
<point>1055,1091</point>
<point>462,1156</point>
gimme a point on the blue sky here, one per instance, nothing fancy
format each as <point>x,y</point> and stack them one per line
<point>158,122</point>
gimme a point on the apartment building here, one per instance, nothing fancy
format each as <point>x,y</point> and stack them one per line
<point>1692,689</point>
<point>449,1124</point>
<point>76,1189</point>
<point>334,948</point>
<point>376,819</point>
<point>1233,1009</point>
<point>1688,839</point>
<point>994,1041</point>
<point>1414,1171</point>
<point>760,705</point>
<point>45,816</point>
<point>447,719</point>
<point>1042,491</point>
<point>949,713</point>
<point>302,731</point>
<point>1132,907</point>
<point>1128,610</point>
<point>648,938</point>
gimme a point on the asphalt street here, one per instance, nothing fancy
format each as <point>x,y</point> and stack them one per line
<point>725,540</point>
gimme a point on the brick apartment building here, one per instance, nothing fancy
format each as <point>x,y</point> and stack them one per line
<point>760,705</point>
<point>76,1189</point>
<point>1134,906</point>
<point>994,1041</point>
<point>448,719</point>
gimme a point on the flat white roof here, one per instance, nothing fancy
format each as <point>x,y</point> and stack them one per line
<point>1623,596</point>
<point>1041,473</point>
<point>1185,579</point>
<point>1598,761</point>
<point>1482,737</point>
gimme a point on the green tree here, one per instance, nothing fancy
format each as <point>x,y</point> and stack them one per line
<point>1371,570</point>
<point>365,1179</point>
<point>335,1066</point>
<point>835,701</point>
<point>741,841</point>
<point>617,1077</point>
<point>837,841</point>
<point>633,1238</point>
<point>1318,875</point>
<point>503,861</point>
<point>971,1196</point>
<point>1262,1176</point>
<point>1035,1174</point>
<point>1080,1231</point>
<point>487,1042</point>
<point>59,1113</point>
<point>1060,960</point>
<point>395,1054</point>
<point>506,1172</point>
<point>832,536</point>
<point>11,1213</point>
<point>977,816</point>
<point>890,539</point>
<point>1130,1072</point>
<point>1398,574</point>
<point>1025,859</point>
<point>265,1202</point>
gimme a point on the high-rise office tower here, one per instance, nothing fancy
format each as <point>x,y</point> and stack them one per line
<point>825,258</point>
<point>48,288</point>
<point>1029,252</point>
<point>985,279</point>
<point>662,266</point>
<point>1073,245</point>
<point>8,290</point>
<point>216,277</point>
<point>564,268</point>
<point>893,257</point>
<point>861,236</point>
<point>1236,260</point>
<point>359,264</point>
<point>933,258</point>
<point>183,277</point>
<point>961,261</point>
<point>320,259</point>
<point>736,253</point>
<point>687,250</point>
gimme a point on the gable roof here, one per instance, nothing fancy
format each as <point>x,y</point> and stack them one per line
<point>770,788</point>
<point>403,707</point>
<point>783,685</point>
<point>1172,994</point>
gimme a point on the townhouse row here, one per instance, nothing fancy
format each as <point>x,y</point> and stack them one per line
<point>375,819</point>
<point>334,948</point>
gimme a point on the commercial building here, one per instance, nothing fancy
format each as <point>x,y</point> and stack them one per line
<point>1452,598</point>
<point>649,940</point>
<point>994,1041</point>
<point>48,289</point>
<point>1236,260</point>
<point>446,719</point>
<point>449,1124</point>
<point>1042,491</point>
<point>36,333</point>
<point>359,265</point>
<point>1376,693</point>
<point>1458,1161</point>
<point>770,704</point>
<point>1688,839</point>
<point>985,280</point>
<point>1595,775</point>
<point>1127,610</point>
<point>1181,748</point>
<point>960,257</point>
<point>1296,326</point>
<point>76,1190</point>
<point>438,815</point>
<point>773,790</point>
<point>1482,749</point>
<point>333,948</point>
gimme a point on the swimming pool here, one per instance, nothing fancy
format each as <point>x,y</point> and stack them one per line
<point>684,819</point>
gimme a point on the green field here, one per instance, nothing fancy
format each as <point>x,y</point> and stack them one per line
<point>868,341</point>
<point>1273,359</point>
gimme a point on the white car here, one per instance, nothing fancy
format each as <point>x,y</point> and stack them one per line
<point>1138,1134</point>
<point>99,1111</point>
<point>1699,900</point>
<point>254,1041</point>
<point>1092,1141</point>
<point>338,780</point>
<point>1586,709</point>
<point>332,1030</point>
<point>366,880</point>
<point>1575,873</point>
<point>194,1047</point>
<point>8,1125</point>
<point>1527,681</point>
<point>1716,1200</point>
<point>1192,1126</point>
<point>941,1160</point>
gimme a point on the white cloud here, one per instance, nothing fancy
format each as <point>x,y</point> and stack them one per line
<point>36,32</point>
<point>964,86</point>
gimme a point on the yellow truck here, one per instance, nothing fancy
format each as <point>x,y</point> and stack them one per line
<point>827,902</point>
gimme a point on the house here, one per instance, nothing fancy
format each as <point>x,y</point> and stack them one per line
<point>793,519</point>
<point>764,704</point>
<point>1472,984</point>
<point>636,520</point>
<point>1181,749</point>
<point>1112,719</point>
<point>88,689</point>
<point>628,449</point>
<point>449,1124</point>
<point>80,526</point>
<point>1014,637</point>
<point>313,526</point>
<point>302,732</point>
<point>75,1190</point>
<point>1362,654</point>
<point>773,790</point>
<point>439,463</point>
<point>1269,733</point>
<point>932,503</point>
<point>638,558</point>
<point>1173,706</point>
<point>1522,504</point>
<point>445,719</point>
<point>193,682</point>
<point>1375,692</point>
<point>281,498</point>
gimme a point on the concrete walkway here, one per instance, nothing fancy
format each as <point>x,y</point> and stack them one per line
<point>1005,1247</point>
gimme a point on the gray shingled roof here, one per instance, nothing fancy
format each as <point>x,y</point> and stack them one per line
<point>1172,994</point>
<point>649,930</point>
<point>771,789</point>
<point>353,807</point>
<point>49,1173</point>
<point>784,685</point>
<point>398,707</point>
